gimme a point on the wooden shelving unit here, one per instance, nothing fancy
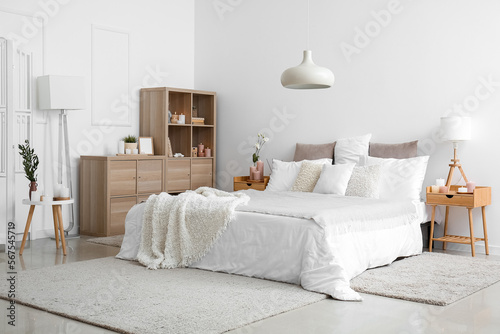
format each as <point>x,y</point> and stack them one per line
<point>189,172</point>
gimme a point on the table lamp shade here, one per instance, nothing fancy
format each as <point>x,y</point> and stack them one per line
<point>456,128</point>
<point>56,92</point>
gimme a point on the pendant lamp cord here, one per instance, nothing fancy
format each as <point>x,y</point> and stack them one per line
<point>308,25</point>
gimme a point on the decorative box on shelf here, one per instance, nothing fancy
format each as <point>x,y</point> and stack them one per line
<point>198,120</point>
<point>243,183</point>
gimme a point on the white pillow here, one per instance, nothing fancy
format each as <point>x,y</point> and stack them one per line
<point>283,174</point>
<point>400,178</point>
<point>348,150</point>
<point>364,181</point>
<point>334,179</point>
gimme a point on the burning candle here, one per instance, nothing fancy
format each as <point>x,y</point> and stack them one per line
<point>201,148</point>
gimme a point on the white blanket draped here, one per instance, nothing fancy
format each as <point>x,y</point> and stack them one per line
<point>179,230</point>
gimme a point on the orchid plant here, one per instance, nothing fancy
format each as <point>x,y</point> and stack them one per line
<point>261,140</point>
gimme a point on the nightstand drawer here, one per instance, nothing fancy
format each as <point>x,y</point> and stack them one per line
<point>450,199</point>
<point>242,183</point>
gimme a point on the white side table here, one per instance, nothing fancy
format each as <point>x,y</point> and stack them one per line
<point>58,220</point>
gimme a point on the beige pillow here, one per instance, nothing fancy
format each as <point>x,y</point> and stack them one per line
<point>396,151</point>
<point>313,151</point>
<point>308,176</point>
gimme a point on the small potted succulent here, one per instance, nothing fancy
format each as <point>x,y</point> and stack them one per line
<point>30,163</point>
<point>130,143</point>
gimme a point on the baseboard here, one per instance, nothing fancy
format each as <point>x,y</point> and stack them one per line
<point>494,250</point>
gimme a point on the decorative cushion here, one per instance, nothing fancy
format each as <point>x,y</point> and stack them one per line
<point>313,151</point>
<point>364,181</point>
<point>348,150</point>
<point>400,178</point>
<point>283,173</point>
<point>308,176</point>
<point>334,179</point>
<point>396,151</point>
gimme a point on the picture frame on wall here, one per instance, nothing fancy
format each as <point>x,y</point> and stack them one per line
<point>146,145</point>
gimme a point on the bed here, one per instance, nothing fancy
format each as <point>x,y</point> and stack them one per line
<point>318,240</point>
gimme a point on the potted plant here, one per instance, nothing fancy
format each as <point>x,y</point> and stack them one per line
<point>30,163</point>
<point>130,142</point>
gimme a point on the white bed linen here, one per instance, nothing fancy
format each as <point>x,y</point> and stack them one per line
<point>295,250</point>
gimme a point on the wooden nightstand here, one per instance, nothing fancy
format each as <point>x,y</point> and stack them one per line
<point>479,198</point>
<point>242,183</point>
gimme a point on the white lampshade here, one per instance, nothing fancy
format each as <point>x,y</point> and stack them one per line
<point>307,75</point>
<point>56,92</point>
<point>456,128</point>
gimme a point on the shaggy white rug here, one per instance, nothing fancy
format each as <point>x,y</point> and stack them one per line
<point>115,241</point>
<point>430,278</point>
<point>126,297</point>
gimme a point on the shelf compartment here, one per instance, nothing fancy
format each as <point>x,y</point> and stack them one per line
<point>205,107</point>
<point>180,139</point>
<point>458,239</point>
<point>206,136</point>
<point>180,103</point>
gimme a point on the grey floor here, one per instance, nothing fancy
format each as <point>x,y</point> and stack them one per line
<point>478,313</point>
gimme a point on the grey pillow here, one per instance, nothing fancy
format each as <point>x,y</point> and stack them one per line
<point>313,151</point>
<point>396,151</point>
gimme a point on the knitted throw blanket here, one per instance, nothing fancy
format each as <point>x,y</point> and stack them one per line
<point>179,230</point>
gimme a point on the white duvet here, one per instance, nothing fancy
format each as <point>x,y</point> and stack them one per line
<point>318,241</point>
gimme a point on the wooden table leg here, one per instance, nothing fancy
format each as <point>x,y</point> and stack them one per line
<point>432,227</point>
<point>27,228</point>
<point>56,225</point>
<point>471,227</point>
<point>446,225</point>
<point>485,230</point>
<point>61,228</point>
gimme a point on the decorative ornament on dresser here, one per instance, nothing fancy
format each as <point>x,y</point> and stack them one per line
<point>130,144</point>
<point>257,170</point>
<point>30,163</point>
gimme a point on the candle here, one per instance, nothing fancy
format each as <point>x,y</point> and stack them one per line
<point>440,182</point>
<point>443,189</point>
<point>201,148</point>
<point>462,190</point>
<point>121,147</point>
<point>253,169</point>
<point>201,154</point>
<point>135,151</point>
<point>471,186</point>
<point>256,175</point>
<point>64,192</point>
<point>434,189</point>
<point>182,119</point>
<point>35,196</point>
<point>208,152</point>
<point>128,151</point>
<point>57,190</point>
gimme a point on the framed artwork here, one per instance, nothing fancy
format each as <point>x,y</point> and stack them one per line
<point>146,145</point>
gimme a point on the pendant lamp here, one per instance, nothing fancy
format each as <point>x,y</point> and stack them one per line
<point>307,75</point>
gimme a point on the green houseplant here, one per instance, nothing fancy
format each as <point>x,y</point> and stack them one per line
<point>30,163</point>
<point>130,143</point>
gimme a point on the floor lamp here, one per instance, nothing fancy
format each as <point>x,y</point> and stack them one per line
<point>455,129</point>
<point>56,92</point>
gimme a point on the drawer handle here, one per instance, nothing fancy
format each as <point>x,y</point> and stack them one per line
<point>450,196</point>
<point>249,184</point>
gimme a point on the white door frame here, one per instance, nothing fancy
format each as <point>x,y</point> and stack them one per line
<point>10,172</point>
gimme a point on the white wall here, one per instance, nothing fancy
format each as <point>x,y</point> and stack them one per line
<point>161,53</point>
<point>426,58</point>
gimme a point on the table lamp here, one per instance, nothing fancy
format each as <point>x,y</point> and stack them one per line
<point>455,129</point>
<point>57,92</point>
